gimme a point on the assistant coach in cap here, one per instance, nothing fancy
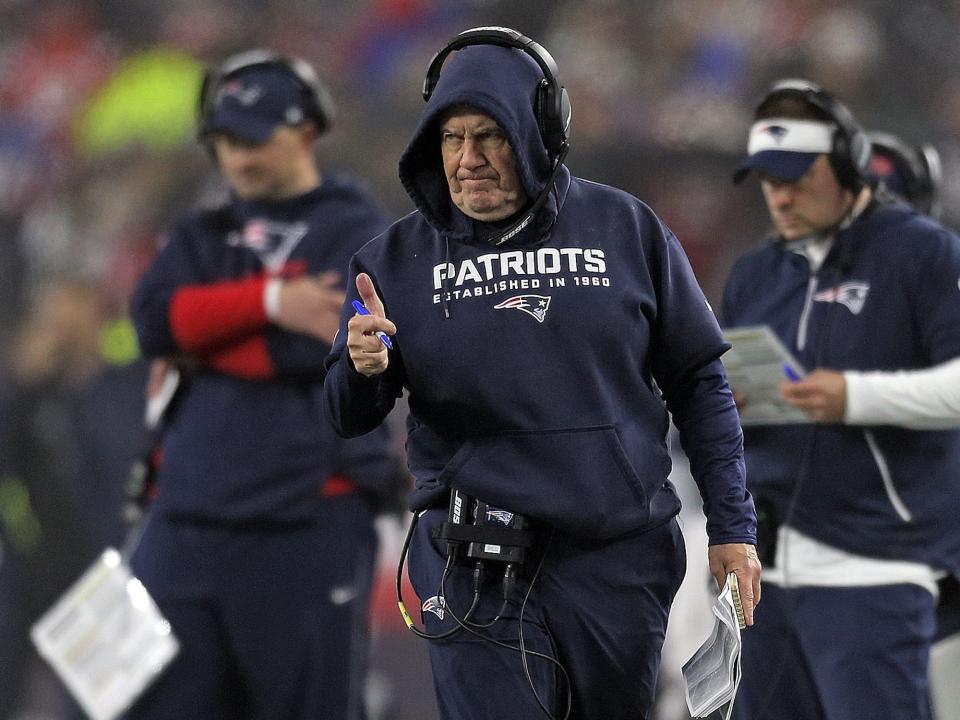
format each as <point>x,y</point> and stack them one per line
<point>858,506</point>
<point>259,546</point>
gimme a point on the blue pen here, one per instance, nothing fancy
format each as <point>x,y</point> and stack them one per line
<point>790,373</point>
<point>359,307</point>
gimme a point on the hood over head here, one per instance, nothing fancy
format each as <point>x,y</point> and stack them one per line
<point>499,82</point>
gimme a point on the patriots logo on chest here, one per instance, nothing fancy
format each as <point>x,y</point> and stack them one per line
<point>535,306</point>
<point>852,295</point>
<point>270,240</point>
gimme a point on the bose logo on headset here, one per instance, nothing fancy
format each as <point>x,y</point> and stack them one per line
<point>552,104</point>
<point>318,102</point>
<point>850,156</point>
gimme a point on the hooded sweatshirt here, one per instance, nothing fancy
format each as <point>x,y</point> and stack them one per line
<point>540,371</point>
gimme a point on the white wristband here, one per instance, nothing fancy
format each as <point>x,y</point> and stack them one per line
<point>271,298</point>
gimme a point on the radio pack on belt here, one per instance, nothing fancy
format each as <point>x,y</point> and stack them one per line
<point>489,532</point>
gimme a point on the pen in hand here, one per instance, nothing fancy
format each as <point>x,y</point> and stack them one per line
<point>362,310</point>
<point>790,373</point>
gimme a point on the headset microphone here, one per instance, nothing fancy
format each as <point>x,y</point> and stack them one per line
<point>531,213</point>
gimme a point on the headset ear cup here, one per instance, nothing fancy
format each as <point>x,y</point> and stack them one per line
<point>544,119</point>
<point>566,113</point>
<point>553,114</point>
<point>840,158</point>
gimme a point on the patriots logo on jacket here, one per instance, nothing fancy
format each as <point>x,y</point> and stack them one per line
<point>435,605</point>
<point>852,295</point>
<point>533,305</point>
<point>777,132</point>
<point>271,241</point>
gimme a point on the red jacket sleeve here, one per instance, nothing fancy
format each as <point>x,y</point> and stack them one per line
<point>204,318</point>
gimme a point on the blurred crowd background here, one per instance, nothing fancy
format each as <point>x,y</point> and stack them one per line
<point>98,155</point>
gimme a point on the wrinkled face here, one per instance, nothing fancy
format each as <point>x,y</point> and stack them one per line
<point>811,204</point>
<point>480,166</point>
<point>281,167</point>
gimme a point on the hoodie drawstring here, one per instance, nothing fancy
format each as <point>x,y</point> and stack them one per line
<point>443,284</point>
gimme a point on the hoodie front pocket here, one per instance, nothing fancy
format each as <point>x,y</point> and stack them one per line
<point>578,479</point>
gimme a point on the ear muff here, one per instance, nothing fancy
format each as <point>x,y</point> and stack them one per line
<point>924,173</point>
<point>318,102</point>
<point>552,103</point>
<point>850,156</point>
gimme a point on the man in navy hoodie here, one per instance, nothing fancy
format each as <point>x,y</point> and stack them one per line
<point>542,326</point>
<point>857,507</point>
<point>259,546</point>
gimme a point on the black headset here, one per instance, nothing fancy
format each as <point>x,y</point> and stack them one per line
<point>552,103</point>
<point>924,171</point>
<point>850,154</point>
<point>318,102</point>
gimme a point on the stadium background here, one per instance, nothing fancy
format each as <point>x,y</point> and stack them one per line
<point>97,155</point>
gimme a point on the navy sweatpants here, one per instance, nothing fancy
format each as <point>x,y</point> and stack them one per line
<point>820,653</point>
<point>271,622</point>
<point>599,608</point>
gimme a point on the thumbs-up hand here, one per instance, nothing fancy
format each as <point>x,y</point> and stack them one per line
<point>367,352</point>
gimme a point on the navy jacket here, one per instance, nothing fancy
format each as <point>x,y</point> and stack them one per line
<point>246,438</point>
<point>887,298</point>
<point>537,369</point>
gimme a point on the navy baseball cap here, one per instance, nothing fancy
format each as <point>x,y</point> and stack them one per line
<point>251,103</point>
<point>785,148</point>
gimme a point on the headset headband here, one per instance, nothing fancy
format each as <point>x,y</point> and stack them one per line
<point>553,102</point>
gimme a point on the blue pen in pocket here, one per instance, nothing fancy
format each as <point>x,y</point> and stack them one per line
<point>362,310</point>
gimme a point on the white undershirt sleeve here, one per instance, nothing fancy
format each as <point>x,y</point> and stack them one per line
<point>927,399</point>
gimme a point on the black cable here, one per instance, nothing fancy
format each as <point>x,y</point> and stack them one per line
<point>522,649</point>
<point>403,608</point>
<point>472,628</point>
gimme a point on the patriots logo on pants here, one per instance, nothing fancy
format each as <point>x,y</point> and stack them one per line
<point>433,604</point>
<point>533,305</point>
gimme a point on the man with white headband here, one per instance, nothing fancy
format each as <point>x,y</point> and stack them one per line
<point>857,506</point>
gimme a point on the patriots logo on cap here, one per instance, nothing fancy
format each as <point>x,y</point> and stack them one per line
<point>777,132</point>
<point>247,96</point>
<point>435,605</point>
<point>852,295</point>
<point>535,306</point>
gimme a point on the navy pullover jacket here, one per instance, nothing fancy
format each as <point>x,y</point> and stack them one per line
<point>246,438</point>
<point>537,369</point>
<point>887,298</point>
